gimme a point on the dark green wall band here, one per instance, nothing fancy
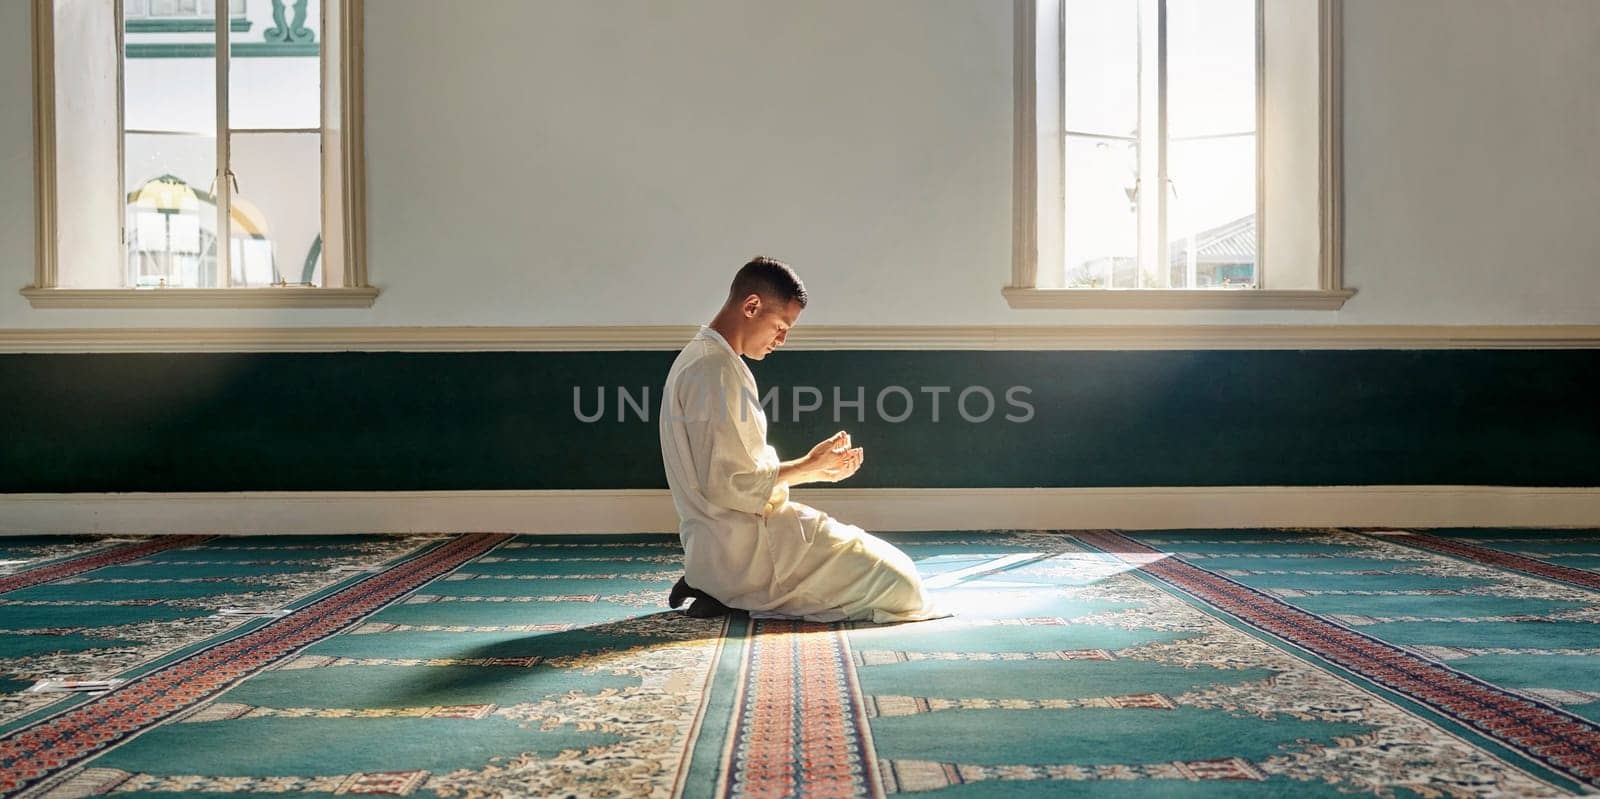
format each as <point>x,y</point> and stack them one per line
<point>410,421</point>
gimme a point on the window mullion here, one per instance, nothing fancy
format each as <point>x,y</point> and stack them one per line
<point>1152,104</point>
<point>1261,151</point>
<point>119,10</point>
<point>224,195</point>
<point>1160,248</point>
<point>1061,141</point>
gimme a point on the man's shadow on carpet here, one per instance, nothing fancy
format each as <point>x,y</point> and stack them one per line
<point>530,667</point>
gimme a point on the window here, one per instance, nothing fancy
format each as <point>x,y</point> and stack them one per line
<point>223,136</point>
<point>1167,147</point>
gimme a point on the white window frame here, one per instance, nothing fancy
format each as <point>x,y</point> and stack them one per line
<point>1037,225</point>
<point>344,205</point>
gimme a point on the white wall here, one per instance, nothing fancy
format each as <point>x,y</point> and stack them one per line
<point>553,162</point>
<point>16,162</point>
<point>1472,152</point>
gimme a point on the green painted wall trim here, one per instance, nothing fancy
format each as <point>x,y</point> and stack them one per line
<point>238,50</point>
<point>286,29</point>
<point>309,271</point>
<point>365,421</point>
<point>236,24</point>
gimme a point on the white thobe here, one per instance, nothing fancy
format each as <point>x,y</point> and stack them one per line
<point>744,541</point>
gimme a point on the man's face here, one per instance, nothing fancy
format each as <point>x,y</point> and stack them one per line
<point>770,328</point>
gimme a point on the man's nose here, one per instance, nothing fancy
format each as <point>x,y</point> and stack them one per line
<point>782,336</point>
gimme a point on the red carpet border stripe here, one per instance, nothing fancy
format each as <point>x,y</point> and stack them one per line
<point>31,754</point>
<point>1566,743</point>
<point>1494,557</point>
<point>800,728</point>
<point>90,561</point>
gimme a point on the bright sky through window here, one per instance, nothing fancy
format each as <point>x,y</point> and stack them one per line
<point>1143,101</point>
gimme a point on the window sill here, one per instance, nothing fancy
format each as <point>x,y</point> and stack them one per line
<point>358,297</point>
<point>1178,299</point>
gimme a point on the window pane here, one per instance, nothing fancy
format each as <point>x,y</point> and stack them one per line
<point>1212,217</point>
<point>277,215</point>
<point>1102,229</point>
<point>268,88</point>
<point>1211,67</point>
<point>1101,51</point>
<point>170,222</point>
<point>275,115</point>
<point>1211,146</point>
<point>169,162</point>
<point>169,94</point>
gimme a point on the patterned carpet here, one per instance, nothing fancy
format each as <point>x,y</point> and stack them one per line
<point>1294,663</point>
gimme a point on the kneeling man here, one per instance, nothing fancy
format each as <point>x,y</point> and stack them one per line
<point>745,544</point>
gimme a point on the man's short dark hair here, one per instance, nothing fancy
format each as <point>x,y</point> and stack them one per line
<point>770,278</point>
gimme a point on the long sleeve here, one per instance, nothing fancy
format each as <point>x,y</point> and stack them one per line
<point>728,445</point>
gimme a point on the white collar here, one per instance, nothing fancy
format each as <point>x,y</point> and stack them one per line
<point>707,331</point>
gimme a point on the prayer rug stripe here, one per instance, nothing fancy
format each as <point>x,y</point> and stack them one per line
<point>50,746</point>
<point>800,725</point>
<point>1564,742</point>
<point>155,633</point>
<point>697,727</point>
<point>915,776</point>
<point>701,777</point>
<point>97,559</point>
<point>1499,559</point>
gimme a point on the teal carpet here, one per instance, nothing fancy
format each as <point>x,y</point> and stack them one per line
<point>1181,663</point>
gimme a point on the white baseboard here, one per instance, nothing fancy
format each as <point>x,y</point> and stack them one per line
<point>881,509</point>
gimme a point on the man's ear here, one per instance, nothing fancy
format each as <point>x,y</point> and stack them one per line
<point>752,305</point>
